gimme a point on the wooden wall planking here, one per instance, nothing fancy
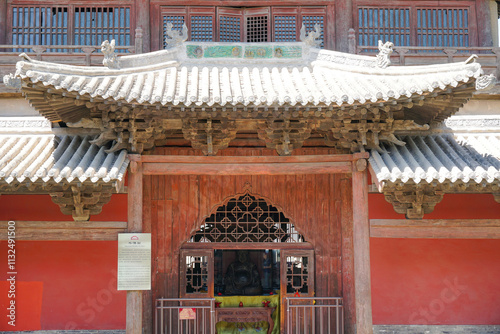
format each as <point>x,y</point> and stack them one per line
<point>179,204</point>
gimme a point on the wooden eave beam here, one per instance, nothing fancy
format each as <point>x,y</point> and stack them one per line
<point>236,165</point>
<point>435,228</point>
<point>64,230</point>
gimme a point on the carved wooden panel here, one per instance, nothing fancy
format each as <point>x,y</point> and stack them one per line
<point>247,218</point>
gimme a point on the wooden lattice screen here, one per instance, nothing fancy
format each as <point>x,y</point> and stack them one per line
<point>250,24</point>
<point>417,24</point>
<point>247,218</point>
<point>48,23</point>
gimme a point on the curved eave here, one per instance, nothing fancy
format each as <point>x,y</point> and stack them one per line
<point>325,79</point>
<point>438,159</point>
<point>47,160</point>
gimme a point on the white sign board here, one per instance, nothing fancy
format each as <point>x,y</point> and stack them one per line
<point>134,261</point>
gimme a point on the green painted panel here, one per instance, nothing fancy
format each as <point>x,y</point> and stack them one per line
<point>258,52</point>
<point>288,51</point>
<point>223,51</point>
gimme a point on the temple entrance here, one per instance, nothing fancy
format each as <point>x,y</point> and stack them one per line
<point>246,270</point>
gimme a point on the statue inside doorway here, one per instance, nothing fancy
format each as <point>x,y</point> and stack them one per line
<point>242,277</point>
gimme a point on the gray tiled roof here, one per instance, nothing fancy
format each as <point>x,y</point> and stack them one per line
<point>439,158</point>
<point>320,77</point>
<point>48,158</point>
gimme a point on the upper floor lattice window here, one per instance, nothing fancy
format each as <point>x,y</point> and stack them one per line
<point>417,24</point>
<point>48,23</point>
<point>250,24</point>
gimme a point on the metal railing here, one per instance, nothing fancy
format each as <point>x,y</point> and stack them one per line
<point>185,316</point>
<point>314,315</point>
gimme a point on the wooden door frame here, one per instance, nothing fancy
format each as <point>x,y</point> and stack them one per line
<point>358,309</point>
<point>303,248</point>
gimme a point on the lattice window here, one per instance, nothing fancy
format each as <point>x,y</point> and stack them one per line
<point>285,28</point>
<point>39,26</point>
<point>93,25</point>
<point>297,274</point>
<point>202,28</point>
<point>411,24</point>
<point>196,274</point>
<point>386,24</point>
<point>244,24</point>
<point>247,218</point>
<point>443,27</point>
<point>310,21</point>
<point>257,29</point>
<point>69,25</point>
<point>229,29</point>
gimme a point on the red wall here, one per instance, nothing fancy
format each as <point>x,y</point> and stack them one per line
<point>62,284</point>
<point>414,281</point>
<point>437,281</point>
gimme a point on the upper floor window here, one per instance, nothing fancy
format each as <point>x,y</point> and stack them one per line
<point>73,24</point>
<point>249,24</point>
<point>417,24</point>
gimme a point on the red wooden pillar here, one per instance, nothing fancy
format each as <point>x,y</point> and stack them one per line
<point>3,21</point>
<point>134,298</point>
<point>143,21</point>
<point>483,13</point>
<point>361,248</point>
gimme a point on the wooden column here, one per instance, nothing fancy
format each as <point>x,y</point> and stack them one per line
<point>347,257</point>
<point>484,34</point>
<point>143,21</point>
<point>343,22</point>
<point>3,21</point>
<point>361,243</point>
<point>134,298</point>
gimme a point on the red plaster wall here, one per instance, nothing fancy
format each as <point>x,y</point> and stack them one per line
<point>414,281</point>
<point>41,208</point>
<point>64,285</point>
<point>437,281</point>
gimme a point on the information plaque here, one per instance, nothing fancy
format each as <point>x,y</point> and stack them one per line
<point>134,261</point>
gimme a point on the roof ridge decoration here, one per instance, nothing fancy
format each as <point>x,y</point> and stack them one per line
<point>287,91</point>
<point>110,60</point>
<point>312,38</point>
<point>384,55</point>
<point>174,37</point>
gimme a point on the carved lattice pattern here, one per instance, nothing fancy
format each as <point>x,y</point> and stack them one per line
<point>257,29</point>
<point>285,28</point>
<point>39,26</point>
<point>386,24</point>
<point>94,25</point>
<point>297,274</point>
<point>196,274</point>
<point>229,29</point>
<point>202,28</point>
<point>443,27</point>
<point>247,218</point>
<point>414,25</point>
